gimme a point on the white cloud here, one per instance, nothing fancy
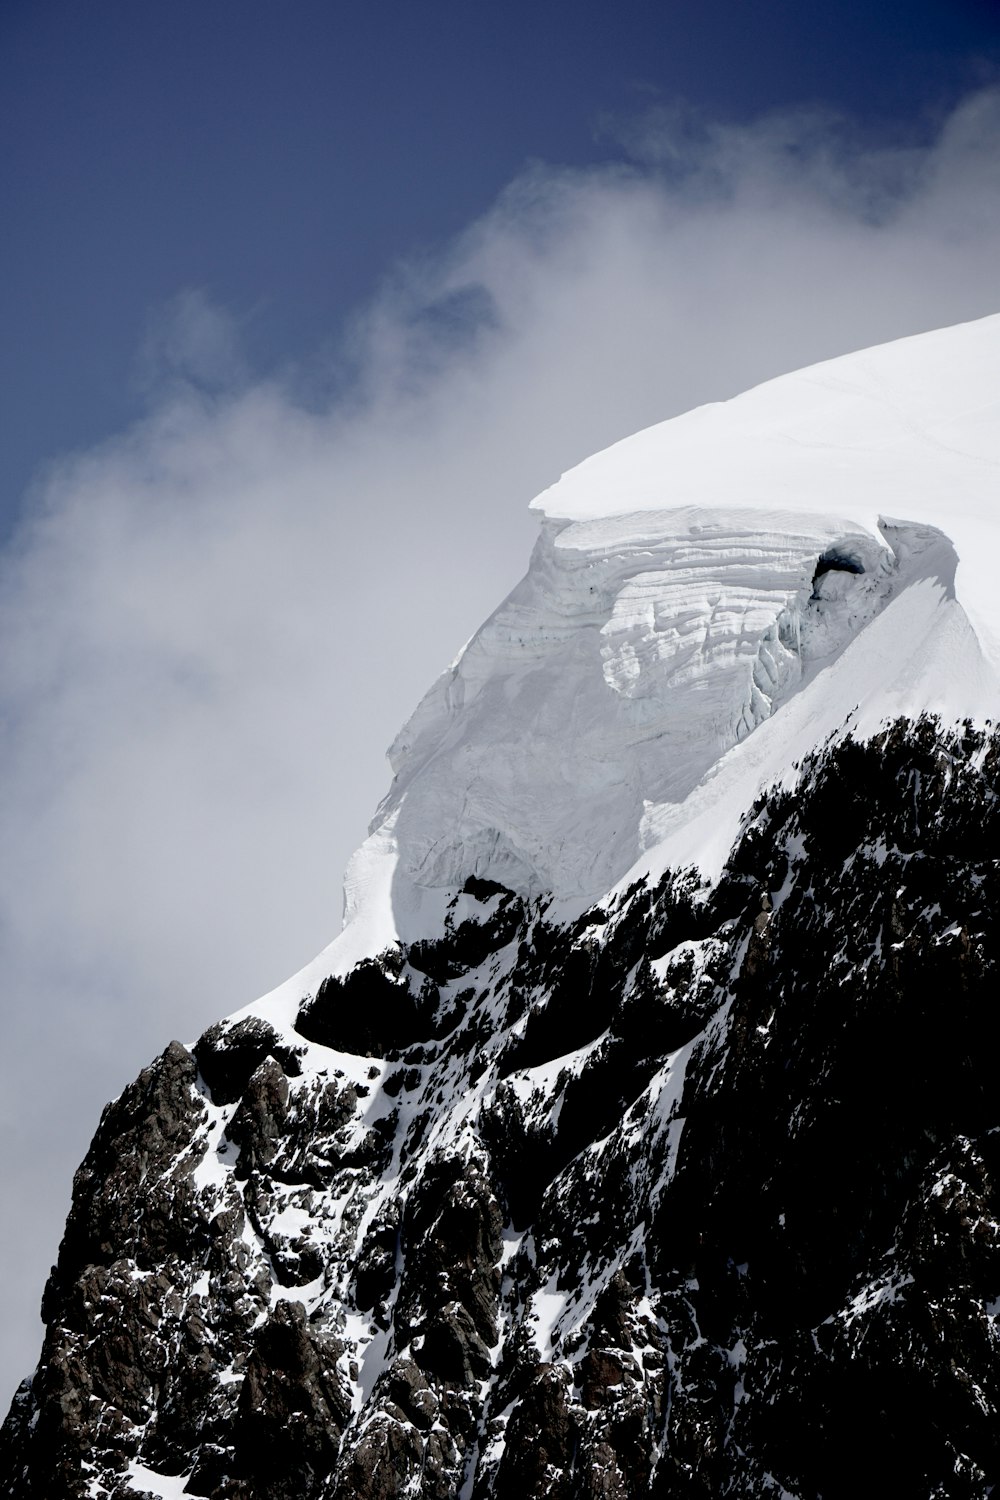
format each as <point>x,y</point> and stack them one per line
<point>191,341</point>
<point>215,623</point>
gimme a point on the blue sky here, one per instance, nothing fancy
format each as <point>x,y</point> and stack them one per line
<point>282,158</point>
<point>301,305</point>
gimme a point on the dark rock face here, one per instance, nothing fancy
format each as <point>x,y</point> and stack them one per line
<point>230,1051</point>
<point>698,1196</point>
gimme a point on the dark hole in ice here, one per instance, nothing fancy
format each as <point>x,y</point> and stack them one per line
<point>836,562</point>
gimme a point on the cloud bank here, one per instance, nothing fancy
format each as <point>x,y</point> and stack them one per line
<point>215,622</point>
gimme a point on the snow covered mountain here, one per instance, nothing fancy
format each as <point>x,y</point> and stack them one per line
<point>638,1135</point>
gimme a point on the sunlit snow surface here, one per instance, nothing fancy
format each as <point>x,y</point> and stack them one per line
<point>672,648</point>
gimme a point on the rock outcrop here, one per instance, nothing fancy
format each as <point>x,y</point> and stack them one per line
<point>697,1195</point>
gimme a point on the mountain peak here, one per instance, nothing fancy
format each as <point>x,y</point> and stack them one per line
<point>638,1135</point>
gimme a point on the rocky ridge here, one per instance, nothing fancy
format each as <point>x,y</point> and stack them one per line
<point>695,1195</point>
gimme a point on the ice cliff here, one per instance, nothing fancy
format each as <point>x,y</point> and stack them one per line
<point>817,545</point>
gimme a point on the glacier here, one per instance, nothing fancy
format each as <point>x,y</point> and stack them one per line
<point>708,601</point>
